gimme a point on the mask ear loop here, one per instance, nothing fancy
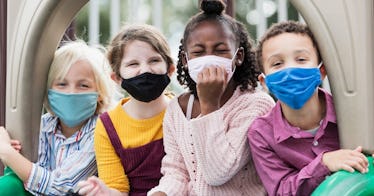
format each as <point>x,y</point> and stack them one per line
<point>186,56</point>
<point>320,64</point>
<point>232,59</point>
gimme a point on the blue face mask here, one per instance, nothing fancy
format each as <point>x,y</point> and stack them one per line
<point>72,108</point>
<point>294,86</point>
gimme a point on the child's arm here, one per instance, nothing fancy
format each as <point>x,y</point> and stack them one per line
<point>175,175</point>
<point>110,168</point>
<point>220,137</point>
<point>346,159</point>
<point>94,186</point>
<point>10,157</point>
<point>278,177</point>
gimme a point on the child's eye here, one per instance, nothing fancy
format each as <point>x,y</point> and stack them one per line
<point>155,60</point>
<point>84,86</point>
<point>197,53</point>
<point>131,64</point>
<point>301,59</point>
<point>276,64</point>
<point>223,51</point>
<point>61,84</point>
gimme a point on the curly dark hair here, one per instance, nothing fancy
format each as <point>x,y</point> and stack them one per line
<point>284,27</point>
<point>244,75</point>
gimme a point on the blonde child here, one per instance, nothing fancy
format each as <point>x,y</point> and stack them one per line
<point>77,90</point>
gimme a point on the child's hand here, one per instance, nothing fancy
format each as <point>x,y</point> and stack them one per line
<point>16,145</point>
<point>93,186</point>
<point>345,159</point>
<point>212,82</point>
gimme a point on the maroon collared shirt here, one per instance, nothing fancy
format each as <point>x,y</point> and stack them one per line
<point>288,159</point>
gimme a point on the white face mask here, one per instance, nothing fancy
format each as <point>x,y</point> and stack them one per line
<point>196,65</point>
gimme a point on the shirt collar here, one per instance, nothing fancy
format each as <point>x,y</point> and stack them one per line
<point>283,130</point>
<point>51,124</point>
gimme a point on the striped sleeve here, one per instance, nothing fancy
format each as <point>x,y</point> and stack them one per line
<point>78,164</point>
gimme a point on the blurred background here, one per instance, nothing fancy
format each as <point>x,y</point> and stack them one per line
<point>99,20</point>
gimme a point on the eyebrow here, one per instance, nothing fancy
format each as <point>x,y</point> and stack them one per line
<point>215,45</point>
<point>277,55</point>
<point>302,51</point>
<point>272,56</point>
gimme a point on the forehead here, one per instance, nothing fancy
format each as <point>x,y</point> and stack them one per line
<point>210,32</point>
<point>287,43</point>
<point>79,69</point>
<point>136,46</point>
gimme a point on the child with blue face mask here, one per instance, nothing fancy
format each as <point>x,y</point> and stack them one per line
<point>78,89</point>
<point>296,145</point>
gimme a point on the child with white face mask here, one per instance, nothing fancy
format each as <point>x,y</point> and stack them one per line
<point>78,89</point>
<point>296,145</point>
<point>207,152</point>
<point>198,64</point>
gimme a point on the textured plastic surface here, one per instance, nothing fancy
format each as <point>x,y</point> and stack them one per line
<point>343,183</point>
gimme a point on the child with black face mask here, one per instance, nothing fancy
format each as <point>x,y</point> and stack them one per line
<point>129,139</point>
<point>296,145</point>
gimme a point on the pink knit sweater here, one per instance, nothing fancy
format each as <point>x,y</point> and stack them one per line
<point>210,155</point>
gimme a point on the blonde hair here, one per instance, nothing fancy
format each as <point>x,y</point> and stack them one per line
<point>74,51</point>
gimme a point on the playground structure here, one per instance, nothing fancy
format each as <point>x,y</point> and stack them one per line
<point>344,30</point>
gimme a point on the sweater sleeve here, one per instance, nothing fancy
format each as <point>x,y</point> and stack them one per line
<point>108,163</point>
<point>221,142</point>
<point>277,176</point>
<point>175,175</point>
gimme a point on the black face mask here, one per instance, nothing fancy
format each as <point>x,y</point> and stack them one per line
<point>146,87</point>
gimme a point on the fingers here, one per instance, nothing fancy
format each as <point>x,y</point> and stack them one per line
<point>211,74</point>
<point>85,188</point>
<point>347,167</point>
<point>16,145</point>
<point>358,149</point>
<point>358,165</point>
<point>15,142</point>
<point>348,160</point>
<point>94,191</point>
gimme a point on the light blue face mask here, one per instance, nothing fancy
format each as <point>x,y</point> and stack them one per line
<point>294,86</point>
<point>72,108</point>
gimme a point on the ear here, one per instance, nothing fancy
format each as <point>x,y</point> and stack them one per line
<point>323,71</point>
<point>116,78</point>
<point>239,59</point>
<point>171,70</point>
<point>262,82</point>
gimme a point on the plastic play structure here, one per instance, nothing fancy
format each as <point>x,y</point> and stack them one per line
<point>344,30</point>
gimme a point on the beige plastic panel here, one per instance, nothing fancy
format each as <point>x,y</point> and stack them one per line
<point>345,33</point>
<point>34,35</point>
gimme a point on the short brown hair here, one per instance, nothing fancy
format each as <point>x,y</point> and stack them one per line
<point>145,33</point>
<point>280,28</point>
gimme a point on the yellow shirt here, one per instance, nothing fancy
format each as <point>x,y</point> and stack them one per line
<point>132,133</point>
